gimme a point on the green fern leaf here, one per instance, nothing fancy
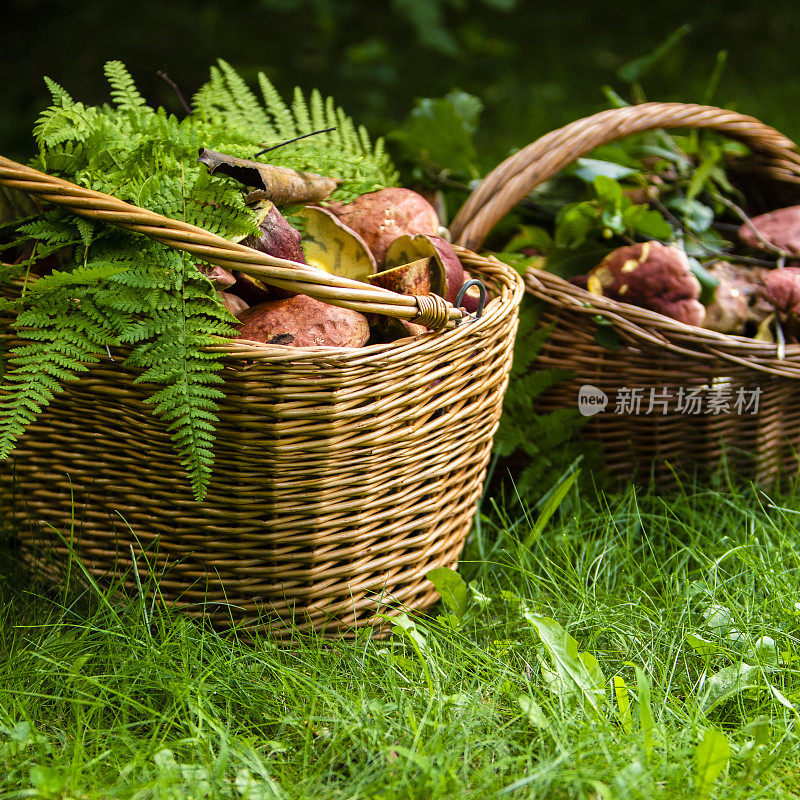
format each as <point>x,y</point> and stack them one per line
<point>123,88</point>
<point>281,115</point>
<point>300,111</point>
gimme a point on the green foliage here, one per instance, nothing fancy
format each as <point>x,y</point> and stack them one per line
<point>439,134</point>
<point>561,669</point>
<point>117,289</point>
<point>545,444</point>
<point>572,675</point>
<point>711,757</point>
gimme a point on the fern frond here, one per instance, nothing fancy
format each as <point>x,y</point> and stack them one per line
<point>123,89</point>
<point>59,94</point>
<point>283,120</point>
<point>121,289</point>
<point>36,372</point>
<point>59,124</point>
<point>80,276</point>
<point>243,99</point>
<point>317,108</point>
<point>300,111</point>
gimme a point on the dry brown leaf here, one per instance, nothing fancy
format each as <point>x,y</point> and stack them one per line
<point>278,184</point>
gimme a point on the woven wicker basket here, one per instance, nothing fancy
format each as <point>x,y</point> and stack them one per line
<point>657,354</point>
<point>341,477</point>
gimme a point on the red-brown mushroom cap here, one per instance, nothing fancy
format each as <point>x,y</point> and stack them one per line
<point>276,237</point>
<point>220,278</point>
<point>301,321</point>
<point>651,275</point>
<point>782,290</point>
<point>380,217</point>
<point>781,228</point>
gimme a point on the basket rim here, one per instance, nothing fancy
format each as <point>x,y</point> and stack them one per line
<point>511,180</point>
<point>657,329</point>
<point>511,288</point>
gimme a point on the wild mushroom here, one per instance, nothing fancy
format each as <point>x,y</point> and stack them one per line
<point>738,298</point>
<point>380,217</point>
<point>780,228</point>
<point>301,321</point>
<point>414,277</point>
<point>331,245</point>
<point>220,278</point>
<point>233,303</point>
<point>446,273</point>
<point>782,290</point>
<point>275,237</point>
<point>651,275</point>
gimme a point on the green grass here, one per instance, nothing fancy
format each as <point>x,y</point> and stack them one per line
<point>103,700</point>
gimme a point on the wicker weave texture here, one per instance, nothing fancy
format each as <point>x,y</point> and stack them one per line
<point>342,475</point>
<point>656,353</point>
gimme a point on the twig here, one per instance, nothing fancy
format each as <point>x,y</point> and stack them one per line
<point>667,213</point>
<point>296,139</point>
<point>742,214</point>
<point>756,262</point>
<point>162,74</point>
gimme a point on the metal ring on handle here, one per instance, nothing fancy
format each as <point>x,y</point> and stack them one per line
<point>481,300</point>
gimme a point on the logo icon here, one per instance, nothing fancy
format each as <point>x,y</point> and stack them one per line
<point>591,400</point>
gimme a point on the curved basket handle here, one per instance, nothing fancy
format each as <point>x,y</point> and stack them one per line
<point>428,310</point>
<point>514,178</point>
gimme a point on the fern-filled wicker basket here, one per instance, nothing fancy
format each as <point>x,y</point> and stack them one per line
<point>657,356</point>
<point>341,475</point>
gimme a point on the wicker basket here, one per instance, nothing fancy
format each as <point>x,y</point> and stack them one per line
<point>342,475</point>
<point>759,433</point>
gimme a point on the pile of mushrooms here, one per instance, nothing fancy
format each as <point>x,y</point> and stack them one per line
<point>748,300</point>
<point>389,238</point>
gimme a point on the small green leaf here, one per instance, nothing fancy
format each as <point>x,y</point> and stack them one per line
<point>607,337</point>
<point>608,190</point>
<point>440,131</point>
<point>701,174</point>
<point>782,699</point>
<point>536,716</point>
<point>529,236</point>
<point>587,169</point>
<point>701,646</point>
<point>573,675</point>
<point>652,225</point>
<point>708,283</point>
<point>696,216</point>
<point>711,757</point>
<point>452,588</point>
<point>730,681</point>
<point>574,223</point>
<point>46,780</point>
<point>623,703</point>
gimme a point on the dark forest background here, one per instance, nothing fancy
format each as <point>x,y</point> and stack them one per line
<point>534,65</point>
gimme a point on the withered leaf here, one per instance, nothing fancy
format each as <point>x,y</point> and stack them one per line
<point>281,185</point>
